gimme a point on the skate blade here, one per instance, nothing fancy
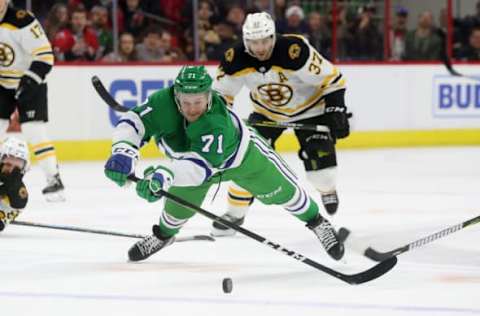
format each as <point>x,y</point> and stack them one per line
<point>55,197</point>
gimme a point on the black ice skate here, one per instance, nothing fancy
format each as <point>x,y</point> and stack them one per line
<point>149,245</point>
<point>327,236</point>
<point>330,202</point>
<point>53,192</point>
<point>219,230</point>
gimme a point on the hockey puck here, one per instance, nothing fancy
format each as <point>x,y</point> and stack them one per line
<point>227,285</point>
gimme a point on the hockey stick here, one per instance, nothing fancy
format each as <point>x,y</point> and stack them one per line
<point>112,103</point>
<point>106,97</point>
<point>362,277</point>
<point>105,232</point>
<point>300,126</point>
<point>448,64</point>
<point>381,256</point>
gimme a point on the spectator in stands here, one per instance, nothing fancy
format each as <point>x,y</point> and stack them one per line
<point>236,15</point>
<point>206,34</point>
<point>57,19</point>
<point>99,21</point>
<point>472,51</point>
<point>319,34</point>
<point>423,43</point>
<point>226,32</point>
<point>126,50</point>
<point>294,22</point>
<point>169,9</point>
<point>280,7</point>
<point>87,4</point>
<point>366,41</point>
<point>149,49</point>
<point>77,42</point>
<point>259,6</point>
<point>134,20</point>
<point>170,53</point>
<point>399,32</point>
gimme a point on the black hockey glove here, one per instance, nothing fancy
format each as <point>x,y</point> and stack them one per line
<point>28,89</point>
<point>336,118</point>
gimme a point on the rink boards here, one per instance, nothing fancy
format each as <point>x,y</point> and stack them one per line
<point>393,106</point>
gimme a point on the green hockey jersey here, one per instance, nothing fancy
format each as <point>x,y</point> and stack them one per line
<point>216,141</point>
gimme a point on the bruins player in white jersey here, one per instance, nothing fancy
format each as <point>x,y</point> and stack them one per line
<point>26,58</point>
<point>289,81</point>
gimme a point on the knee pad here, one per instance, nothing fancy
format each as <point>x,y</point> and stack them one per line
<point>318,152</point>
<point>324,180</point>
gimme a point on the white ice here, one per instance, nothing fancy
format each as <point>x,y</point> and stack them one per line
<point>388,198</point>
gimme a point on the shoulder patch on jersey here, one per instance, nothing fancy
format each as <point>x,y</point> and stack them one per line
<point>18,18</point>
<point>236,59</point>
<point>21,14</point>
<point>291,52</point>
<point>229,54</point>
<point>294,51</point>
<point>23,193</point>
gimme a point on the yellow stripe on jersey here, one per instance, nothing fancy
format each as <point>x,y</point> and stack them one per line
<point>45,155</point>
<point>11,72</point>
<point>41,146</point>
<point>238,202</point>
<point>244,72</point>
<point>239,193</point>
<point>42,49</point>
<point>8,26</point>
<point>295,35</point>
<point>329,78</point>
<point>9,81</point>
<point>46,58</point>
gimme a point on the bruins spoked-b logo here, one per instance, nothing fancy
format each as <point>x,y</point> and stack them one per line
<point>275,94</point>
<point>7,55</point>
<point>294,51</point>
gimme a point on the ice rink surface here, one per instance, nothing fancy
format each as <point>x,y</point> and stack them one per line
<point>388,198</point>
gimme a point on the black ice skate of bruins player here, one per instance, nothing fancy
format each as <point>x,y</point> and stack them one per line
<point>26,57</point>
<point>289,81</point>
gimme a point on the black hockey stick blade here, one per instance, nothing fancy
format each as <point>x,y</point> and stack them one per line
<point>362,277</point>
<point>106,97</point>
<point>381,256</point>
<point>106,232</point>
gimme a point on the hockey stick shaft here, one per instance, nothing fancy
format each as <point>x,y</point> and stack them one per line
<point>103,232</point>
<point>299,126</point>
<point>362,277</point>
<point>380,256</point>
<point>112,103</point>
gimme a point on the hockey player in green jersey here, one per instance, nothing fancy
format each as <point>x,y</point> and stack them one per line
<point>207,143</point>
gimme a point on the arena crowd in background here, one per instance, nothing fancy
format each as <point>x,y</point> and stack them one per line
<point>162,30</point>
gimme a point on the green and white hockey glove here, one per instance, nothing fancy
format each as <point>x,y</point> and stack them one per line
<point>155,179</point>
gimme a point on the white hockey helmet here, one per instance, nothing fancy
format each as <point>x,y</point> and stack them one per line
<point>16,148</point>
<point>258,26</point>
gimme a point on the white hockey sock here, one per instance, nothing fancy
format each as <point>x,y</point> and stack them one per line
<point>42,147</point>
<point>325,180</point>
<point>239,201</point>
